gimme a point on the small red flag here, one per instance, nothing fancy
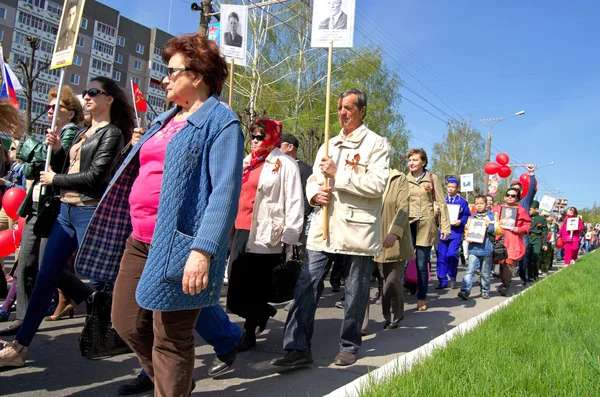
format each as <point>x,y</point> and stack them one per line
<point>138,98</point>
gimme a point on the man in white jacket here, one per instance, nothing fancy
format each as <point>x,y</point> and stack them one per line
<point>357,169</point>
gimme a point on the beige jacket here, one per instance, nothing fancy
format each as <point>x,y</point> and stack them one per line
<point>363,160</point>
<point>278,213</point>
<point>394,219</point>
<point>421,209</point>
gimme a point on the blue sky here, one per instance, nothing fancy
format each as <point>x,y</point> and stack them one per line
<point>482,59</point>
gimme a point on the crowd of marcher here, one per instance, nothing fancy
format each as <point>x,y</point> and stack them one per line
<point>162,216</point>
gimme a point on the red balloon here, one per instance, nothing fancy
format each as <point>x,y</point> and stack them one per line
<point>7,243</point>
<point>491,168</point>
<point>21,226</point>
<point>12,200</point>
<point>502,159</point>
<point>524,191</point>
<point>559,243</point>
<point>525,180</point>
<point>504,172</point>
<point>17,237</point>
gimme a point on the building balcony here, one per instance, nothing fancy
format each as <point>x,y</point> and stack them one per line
<point>104,37</point>
<point>28,30</point>
<point>34,10</point>
<point>156,92</point>
<point>103,57</point>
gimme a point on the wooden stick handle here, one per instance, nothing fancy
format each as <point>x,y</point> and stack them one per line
<point>326,143</point>
<point>231,81</point>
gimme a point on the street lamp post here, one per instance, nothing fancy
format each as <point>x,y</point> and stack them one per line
<point>491,123</point>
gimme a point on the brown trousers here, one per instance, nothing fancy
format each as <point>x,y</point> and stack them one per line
<point>506,272</point>
<point>163,341</point>
<point>392,300</point>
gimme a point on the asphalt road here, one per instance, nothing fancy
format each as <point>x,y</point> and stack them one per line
<point>56,368</point>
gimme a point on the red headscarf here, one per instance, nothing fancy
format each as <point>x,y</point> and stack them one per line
<point>272,140</point>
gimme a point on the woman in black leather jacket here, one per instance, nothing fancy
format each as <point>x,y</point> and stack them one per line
<point>81,174</point>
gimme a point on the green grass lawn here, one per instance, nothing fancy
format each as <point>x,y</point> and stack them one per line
<point>546,343</point>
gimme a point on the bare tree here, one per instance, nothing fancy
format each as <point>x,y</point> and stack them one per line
<point>30,78</point>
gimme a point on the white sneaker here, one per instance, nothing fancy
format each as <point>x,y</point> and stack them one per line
<point>572,262</point>
<point>12,354</point>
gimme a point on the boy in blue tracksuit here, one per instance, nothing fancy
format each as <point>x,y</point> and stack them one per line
<point>480,254</point>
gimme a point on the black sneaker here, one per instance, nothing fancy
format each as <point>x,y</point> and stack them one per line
<point>463,295</point>
<point>139,385</point>
<point>504,291</point>
<point>294,358</point>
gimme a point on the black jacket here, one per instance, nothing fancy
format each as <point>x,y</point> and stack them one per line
<point>99,158</point>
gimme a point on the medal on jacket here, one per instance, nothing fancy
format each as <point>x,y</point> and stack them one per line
<point>277,166</point>
<point>354,162</point>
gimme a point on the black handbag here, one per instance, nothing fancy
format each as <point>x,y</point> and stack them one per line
<point>48,211</point>
<point>98,338</point>
<point>284,278</point>
<point>500,251</point>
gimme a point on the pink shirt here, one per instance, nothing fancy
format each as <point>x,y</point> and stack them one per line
<point>145,192</point>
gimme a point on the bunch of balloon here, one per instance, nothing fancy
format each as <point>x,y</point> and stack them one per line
<point>10,239</point>
<point>500,167</point>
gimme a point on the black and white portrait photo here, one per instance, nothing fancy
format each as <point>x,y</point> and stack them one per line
<point>337,18</point>
<point>66,39</point>
<point>333,21</point>
<point>232,36</point>
<point>508,216</point>
<point>234,33</point>
<point>476,230</point>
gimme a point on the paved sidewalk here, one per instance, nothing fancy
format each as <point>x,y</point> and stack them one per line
<point>55,367</point>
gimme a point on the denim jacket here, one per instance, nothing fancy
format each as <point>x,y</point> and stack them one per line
<point>198,203</point>
<point>486,248</point>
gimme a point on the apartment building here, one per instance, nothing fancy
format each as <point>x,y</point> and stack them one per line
<point>108,45</point>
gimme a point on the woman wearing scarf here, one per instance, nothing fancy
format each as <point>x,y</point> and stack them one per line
<point>271,211</point>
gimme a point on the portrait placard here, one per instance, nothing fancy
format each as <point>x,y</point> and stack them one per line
<point>66,38</point>
<point>572,224</point>
<point>476,230</point>
<point>547,203</point>
<point>234,33</point>
<point>453,212</point>
<point>333,20</point>
<point>466,183</point>
<point>508,216</point>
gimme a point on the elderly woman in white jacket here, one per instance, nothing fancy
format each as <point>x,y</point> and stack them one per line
<point>270,215</point>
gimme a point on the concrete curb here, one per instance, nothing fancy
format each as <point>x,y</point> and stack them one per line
<point>405,362</point>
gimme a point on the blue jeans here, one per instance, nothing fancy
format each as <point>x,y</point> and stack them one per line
<point>560,254</point>
<point>447,263</point>
<point>300,322</point>
<point>422,271</point>
<point>473,264</point>
<point>214,326</point>
<point>66,235</point>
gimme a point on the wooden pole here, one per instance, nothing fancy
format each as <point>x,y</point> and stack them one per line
<point>231,81</point>
<point>54,120</point>
<point>326,143</point>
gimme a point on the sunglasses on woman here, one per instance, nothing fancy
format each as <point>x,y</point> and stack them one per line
<point>48,107</point>
<point>170,71</point>
<point>259,138</point>
<point>511,195</point>
<point>92,92</point>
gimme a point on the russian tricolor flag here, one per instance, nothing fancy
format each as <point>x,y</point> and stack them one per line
<point>10,83</point>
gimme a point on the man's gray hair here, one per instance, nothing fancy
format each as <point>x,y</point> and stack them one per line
<point>361,98</point>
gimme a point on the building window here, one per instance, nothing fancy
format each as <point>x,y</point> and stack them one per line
<point>46,46</point>
<point>37,3</point>
<point>136,80</point>
<point>119,58</point>
<point>2,13</point>
<point>77,60</point>
<point>161,69</point>
<point>54,9</point>
<point>107,30</point>
<point>42,88</point>
<point>103,47</point>
<point>157,51</point>
<point>137,65</point>
<point>116,75</point>
<point>74,79</point>
<point>105,67</point>
<point>80,41</point>
<point>83,23</point>
<point>121,41</point>
<point>139,48</point>
<point>31,20</point>
<point>1,34</point>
